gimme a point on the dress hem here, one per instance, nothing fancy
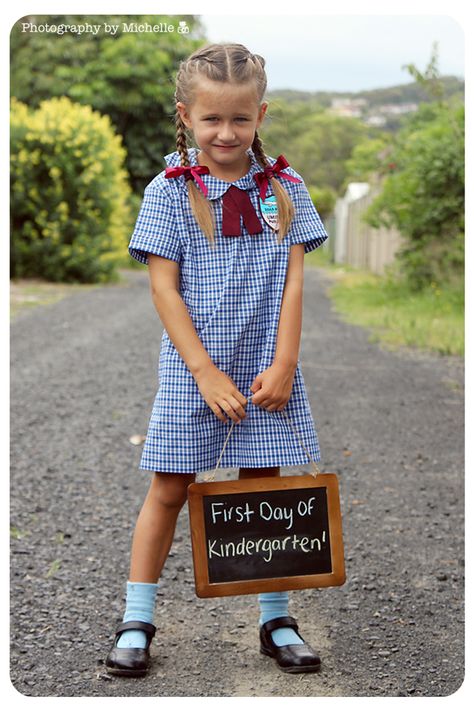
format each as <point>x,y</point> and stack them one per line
<point>201,470</point>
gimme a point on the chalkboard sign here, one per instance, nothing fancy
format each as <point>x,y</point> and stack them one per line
<point>266,534</point>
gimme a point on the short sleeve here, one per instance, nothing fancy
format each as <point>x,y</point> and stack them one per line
<point>307,226</point>
<point>155,229</point>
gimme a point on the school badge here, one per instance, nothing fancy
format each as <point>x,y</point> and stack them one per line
<point>269,211</point>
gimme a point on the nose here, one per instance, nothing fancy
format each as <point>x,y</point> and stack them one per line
<point>226,133</point>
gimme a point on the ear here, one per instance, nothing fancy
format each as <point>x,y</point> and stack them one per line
<point>184,114</point>
<point>261,113</point>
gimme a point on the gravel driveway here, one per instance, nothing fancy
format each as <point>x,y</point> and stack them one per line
<point>83,379</point>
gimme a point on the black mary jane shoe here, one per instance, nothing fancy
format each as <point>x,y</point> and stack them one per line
<point>130,661</point>
<point>293,658</point>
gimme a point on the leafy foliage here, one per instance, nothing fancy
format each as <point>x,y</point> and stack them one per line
<point>129,76</point>
<point>424,196</point>
<point>316,144</point>
<point>324,199</point>
<point>369,158</point>
<point>419,178</point>
<point>70,212</point>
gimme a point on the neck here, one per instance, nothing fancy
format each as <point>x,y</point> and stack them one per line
<point>230,174</point>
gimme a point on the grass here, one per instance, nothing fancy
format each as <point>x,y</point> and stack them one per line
<point>27,293</point>
<point>430,320</point>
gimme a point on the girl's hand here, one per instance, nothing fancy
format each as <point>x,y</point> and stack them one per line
<point>273,387</point>
<point>221,393</point>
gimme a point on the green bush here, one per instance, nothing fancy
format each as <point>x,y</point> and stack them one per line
<point>324,200</point>
<point>423,196</point>
<point>128,76</point>
<point>70,211</point>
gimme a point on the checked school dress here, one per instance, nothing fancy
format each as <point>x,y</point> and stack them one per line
<point>233,294</point>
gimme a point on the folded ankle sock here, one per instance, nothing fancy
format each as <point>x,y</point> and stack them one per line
<point>140,605</point>
<point>275,604</point>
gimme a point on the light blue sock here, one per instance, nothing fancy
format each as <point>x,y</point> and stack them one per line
<point>275,604</point>
<point>140,605</point>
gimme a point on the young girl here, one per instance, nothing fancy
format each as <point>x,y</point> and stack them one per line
<point>224,230</point>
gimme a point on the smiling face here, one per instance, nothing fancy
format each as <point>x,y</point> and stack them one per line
<point>223,118</point>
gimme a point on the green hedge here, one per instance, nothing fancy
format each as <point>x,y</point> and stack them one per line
<point>70,210</point>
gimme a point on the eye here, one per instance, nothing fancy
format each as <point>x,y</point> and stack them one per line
<point>242,118</point>
<point>211,118</point>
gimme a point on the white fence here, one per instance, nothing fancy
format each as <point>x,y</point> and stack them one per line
<point>355,242</point>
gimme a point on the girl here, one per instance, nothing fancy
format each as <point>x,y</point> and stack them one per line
<point>224,230</point>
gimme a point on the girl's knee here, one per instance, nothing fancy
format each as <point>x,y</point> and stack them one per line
<point>171,490</point>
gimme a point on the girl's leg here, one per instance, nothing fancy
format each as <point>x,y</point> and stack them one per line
<point>152,539</point>
<point>273,604</point>
<point>156,523</point>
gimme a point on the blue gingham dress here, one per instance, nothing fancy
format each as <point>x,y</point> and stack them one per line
<point>233,293</point>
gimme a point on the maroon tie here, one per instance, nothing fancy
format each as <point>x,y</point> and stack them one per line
<point>236,203</point>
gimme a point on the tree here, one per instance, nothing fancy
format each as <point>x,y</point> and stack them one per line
<point>317,144</point>
<point>423,197</point>
<point>129,76</point>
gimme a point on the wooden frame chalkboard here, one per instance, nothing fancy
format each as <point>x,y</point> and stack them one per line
<point>266,534</point>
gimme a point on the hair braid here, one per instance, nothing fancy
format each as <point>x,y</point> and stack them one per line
<point>259,153</point>
<point>181,141</point>
<point>285,207</point>
<point>202,208</point>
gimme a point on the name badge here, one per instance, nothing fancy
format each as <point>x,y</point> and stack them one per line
<point>269,210</point>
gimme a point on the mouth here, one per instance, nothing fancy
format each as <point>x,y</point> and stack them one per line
<point>224,147</point>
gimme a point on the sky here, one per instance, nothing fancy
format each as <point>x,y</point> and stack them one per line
<point>343,52</point>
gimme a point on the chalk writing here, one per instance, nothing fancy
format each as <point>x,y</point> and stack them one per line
<point>266,511</point>
<point>264,546</point>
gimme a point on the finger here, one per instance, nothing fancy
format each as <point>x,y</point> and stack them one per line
<point>241,398</point>
<point>264,402</point>
<point>217,411</point>
<point>229,410</point>
<point>238,408</point>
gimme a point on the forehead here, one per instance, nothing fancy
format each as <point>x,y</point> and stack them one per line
<point>222,97</point>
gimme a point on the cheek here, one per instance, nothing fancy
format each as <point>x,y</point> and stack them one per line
<point>247,132</point>
<point>205,131</point>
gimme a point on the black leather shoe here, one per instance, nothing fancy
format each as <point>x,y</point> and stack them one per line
<point>293,658</point>
<point>130,661</point>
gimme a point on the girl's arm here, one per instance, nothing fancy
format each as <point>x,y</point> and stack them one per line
<point>218,390</point>
<point>291,311</point>
<point>272,388</point>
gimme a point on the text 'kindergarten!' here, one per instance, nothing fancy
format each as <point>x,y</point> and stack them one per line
<point>222,515</point>
<point>106,28</point>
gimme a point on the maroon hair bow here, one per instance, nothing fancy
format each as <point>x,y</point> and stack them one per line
<point>271,171</point>
<point>190,172</point>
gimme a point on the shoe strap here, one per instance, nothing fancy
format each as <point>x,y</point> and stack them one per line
<point>278,622</point>
<point>137,625</point>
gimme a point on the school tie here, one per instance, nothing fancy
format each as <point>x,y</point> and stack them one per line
<point>236,203</point>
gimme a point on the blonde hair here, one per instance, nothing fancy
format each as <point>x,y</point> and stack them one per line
<point>224,63</point>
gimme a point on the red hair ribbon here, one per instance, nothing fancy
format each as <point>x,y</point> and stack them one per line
<point>271,171</point>
<point>190,172</point>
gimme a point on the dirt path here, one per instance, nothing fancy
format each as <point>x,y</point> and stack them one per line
<point>391,424</point>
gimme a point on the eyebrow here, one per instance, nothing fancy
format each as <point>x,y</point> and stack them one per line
<point>216,113</point>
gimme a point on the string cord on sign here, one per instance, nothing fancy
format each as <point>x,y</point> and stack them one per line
<point>210,476</point>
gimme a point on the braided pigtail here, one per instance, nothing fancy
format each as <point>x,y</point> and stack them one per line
<point>286,210</point>
<point>202,208</point>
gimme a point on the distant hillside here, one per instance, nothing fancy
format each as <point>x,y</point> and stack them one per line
<point>378,108</point>
<point>402,93</point>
